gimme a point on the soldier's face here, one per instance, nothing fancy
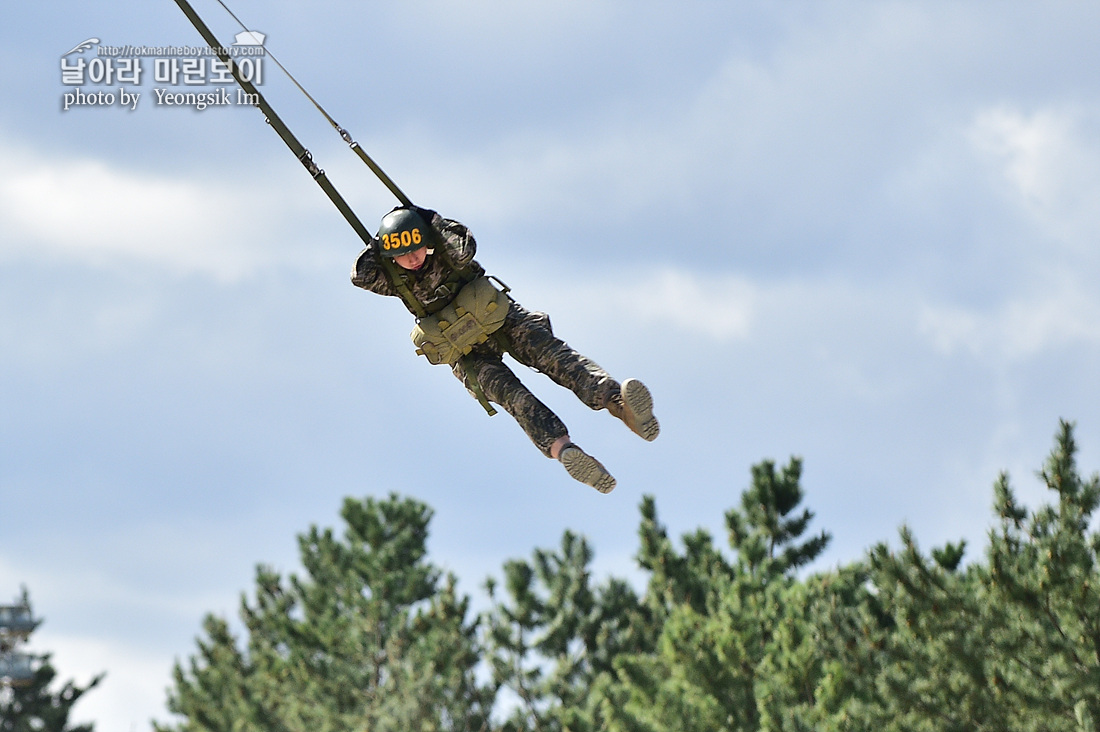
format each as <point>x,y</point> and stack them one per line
<point>414,260</point>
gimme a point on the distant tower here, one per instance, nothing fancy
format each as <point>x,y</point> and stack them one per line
<point>16,623</point>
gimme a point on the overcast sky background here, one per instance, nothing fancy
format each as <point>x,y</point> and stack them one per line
<point>863,233</point>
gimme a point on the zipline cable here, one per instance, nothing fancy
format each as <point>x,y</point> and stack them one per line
<point>344,134</point>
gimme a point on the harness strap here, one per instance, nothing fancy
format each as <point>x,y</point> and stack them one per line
<point>466,364</point>
<point>400,283</point>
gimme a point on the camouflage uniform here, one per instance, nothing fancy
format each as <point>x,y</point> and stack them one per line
<point>528,336</point>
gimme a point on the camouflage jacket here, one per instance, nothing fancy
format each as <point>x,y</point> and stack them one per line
<point>429,284</point>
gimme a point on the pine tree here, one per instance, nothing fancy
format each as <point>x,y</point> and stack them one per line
<point>1010,644</point>
<point>374,638</point>
<point>370,638</point>
<point>553,637</point>
<point>1043,570</point>
<point>735,649</point>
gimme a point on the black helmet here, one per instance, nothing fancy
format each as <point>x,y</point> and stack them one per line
<point>402,231</point>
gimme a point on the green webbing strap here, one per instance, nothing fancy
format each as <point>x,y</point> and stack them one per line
<point>475,386</point>
<point>397,279</point>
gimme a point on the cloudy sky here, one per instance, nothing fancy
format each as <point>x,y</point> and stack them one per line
<point>863,233</point>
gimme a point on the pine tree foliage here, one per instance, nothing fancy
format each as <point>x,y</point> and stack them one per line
<point>1013,643</point>
<point>370,638</point>
<point>736,650</point>
<point>898,641</point>
<point>552,639</point>
<point>1043,571</point>
<point>764,532</point>
<point>742,638</point>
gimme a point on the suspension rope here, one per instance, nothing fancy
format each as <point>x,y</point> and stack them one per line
<point>269,52</point>
<point>344,134</point>
<point>304,156</point>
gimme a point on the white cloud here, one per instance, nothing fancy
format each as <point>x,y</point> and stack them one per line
<point>719,306</point>
<point>1050,161</point>
<point>716,307</point>
<point>90,211</point>
<point>1046,164</point>
<point>76,587</point>
<point>1062,315</point>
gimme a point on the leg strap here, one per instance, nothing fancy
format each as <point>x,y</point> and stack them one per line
<point>475,385</point>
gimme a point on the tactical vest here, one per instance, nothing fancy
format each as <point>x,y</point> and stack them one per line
<point>477,311</point>
<point>468,312</point>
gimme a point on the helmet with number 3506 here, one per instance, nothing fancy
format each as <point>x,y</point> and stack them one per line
<point>402,231</point>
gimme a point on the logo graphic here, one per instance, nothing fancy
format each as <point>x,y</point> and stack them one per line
<point>82,46</point>
<point>249,38</point>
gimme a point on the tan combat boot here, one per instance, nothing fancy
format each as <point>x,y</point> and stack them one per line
<point>585,468</point>
<point>634,406</point>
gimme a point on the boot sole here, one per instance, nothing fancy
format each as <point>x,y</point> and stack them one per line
<point>583,467</point>
<point>639,403</point>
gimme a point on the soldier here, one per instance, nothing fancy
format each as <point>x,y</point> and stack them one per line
<point>428,261</point>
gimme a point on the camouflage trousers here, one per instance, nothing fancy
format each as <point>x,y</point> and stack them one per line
<point>532,342</point>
